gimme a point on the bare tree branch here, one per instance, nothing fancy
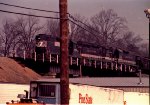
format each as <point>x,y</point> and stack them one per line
<point>20,32</point>
<point>108,24</point>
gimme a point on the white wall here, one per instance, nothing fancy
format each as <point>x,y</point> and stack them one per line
<point>136,98</point>
<point>99,95</point>
<point>10,92</point>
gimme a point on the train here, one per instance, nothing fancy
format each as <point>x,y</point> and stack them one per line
<point>86,58</point>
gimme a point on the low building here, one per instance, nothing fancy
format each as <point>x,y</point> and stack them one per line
<point>136,90</point>
<point>128,84</point>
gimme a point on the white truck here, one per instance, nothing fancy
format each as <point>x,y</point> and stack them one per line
<point>48,91</point>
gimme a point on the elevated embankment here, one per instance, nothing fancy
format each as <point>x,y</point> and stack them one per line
<point>12,72</point>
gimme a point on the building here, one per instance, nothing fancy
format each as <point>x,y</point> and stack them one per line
<point>128,84</point>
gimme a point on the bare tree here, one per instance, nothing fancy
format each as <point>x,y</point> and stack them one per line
<point>8,37</point>
<point>20,32</point>
<point>75,31</point>
<point>109,25</point>
<point>144,49</point>
<point>52,27</point>
<point>79,29</point>
<point>130,42</point>
<point>28,27</point>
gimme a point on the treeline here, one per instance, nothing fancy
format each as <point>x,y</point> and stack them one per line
<point>105,28</point>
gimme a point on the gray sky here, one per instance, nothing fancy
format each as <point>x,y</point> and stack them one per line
<point>132,10</point>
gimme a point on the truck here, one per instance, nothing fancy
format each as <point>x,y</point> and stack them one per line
<point>48,91</point>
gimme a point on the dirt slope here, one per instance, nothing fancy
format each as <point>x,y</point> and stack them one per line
<point>12,72</point>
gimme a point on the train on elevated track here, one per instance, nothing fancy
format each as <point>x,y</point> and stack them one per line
<point>87,58</point>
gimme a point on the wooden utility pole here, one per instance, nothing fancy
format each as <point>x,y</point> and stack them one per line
<point>64,66</point>
<point>147,12</point>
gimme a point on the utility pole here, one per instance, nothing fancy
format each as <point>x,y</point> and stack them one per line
<point>64,66</point>
<point>147,12</point>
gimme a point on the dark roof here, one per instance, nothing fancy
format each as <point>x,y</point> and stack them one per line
<point>106,81</point>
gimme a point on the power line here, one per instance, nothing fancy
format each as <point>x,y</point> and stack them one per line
<point>28,8</point>
<point>28,14</point>
<point>46,17</point>
<point>80,26</point>
<point>83,28</point>
<point>82,23</point>
<point>69,15</point>
<point>42,17</point>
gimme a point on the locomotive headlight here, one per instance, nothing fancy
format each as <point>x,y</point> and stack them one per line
<point>41,44</point>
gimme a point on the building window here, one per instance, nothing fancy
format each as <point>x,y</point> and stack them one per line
<point>47,90</point>
<point>33,90</point>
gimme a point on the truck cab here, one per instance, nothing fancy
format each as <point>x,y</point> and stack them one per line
<point>47,92</point>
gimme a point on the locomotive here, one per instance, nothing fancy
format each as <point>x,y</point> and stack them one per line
<point>84,58</point>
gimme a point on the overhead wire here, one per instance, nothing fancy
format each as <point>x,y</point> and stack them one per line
<point>69,15</point>
<point>28,14</point>
<point>83,28</point>
<point>72,17</point>
<point>44,17</point>
<point>28,8</point>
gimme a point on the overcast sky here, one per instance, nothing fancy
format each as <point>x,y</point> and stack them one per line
<point>132,10</point>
